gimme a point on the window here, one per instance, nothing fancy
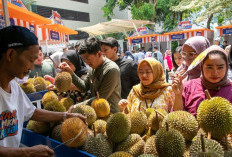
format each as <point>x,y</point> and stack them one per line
<point>80,35</point>
<point>82,1</point>
<point>65,14</point>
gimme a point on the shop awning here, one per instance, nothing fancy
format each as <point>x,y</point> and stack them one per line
<point>25,15</point>
<point>114,26</point>
<point>224,30</point>
<point>60,28</point>
<point>183,35</point>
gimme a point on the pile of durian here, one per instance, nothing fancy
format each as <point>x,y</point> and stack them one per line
<point>153,133</point>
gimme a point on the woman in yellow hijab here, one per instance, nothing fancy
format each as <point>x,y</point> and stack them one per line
<point>152,91</point>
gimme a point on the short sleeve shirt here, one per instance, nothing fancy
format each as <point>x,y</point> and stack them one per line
<point>15,108</point>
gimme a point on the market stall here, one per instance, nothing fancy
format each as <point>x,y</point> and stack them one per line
<point>149,41</point>
<point>225,32</point>
<point>182,36</point>
<point>49,33</point>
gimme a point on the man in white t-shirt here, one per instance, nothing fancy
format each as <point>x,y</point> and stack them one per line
<point>18,50</point>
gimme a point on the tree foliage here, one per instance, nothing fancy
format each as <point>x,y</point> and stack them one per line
<point>153,10</point>
<point>221,9</point>
<point>143,12</point>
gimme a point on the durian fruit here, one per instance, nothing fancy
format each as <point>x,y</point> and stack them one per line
<point>39,84</point>
<point>184,122</point>
<point>63,81</point>
<point>28,88</point>
<point>101,106</point>
<point>215,116</point>
<point>118,127</point>
<point>73,132</point>
<point>138,122</point>
<point>156,118</point>
<point>48,83</point>
<point>30,80</point>
<point>133,144</point>
<point>169,142</point>
<point>87,111</point>
<point>120,154</point>
<point>147,155</point>
<point>56,132</point>
<point>203,147</point>
<point>38,127</point>
<point>98,145</point>
<point>100,126</point>
<point>149,147</point>
<point>55,106</point>
<point>227,147</point>
<point>48,97</point>
<point>67,102</point>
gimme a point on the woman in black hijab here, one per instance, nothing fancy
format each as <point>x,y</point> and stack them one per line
<point>76,63</point>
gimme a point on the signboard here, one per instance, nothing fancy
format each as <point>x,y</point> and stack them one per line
<point>19,3</point>
<point>143,30</point>
<point>56,18</point>
<point>177,36</point>
<point>32,29</point>
<point>136,41</point>
<point>54,35</point>
<point>152,39</point>
<point>185,25</point>
<point>2,22</point>
<point>198,34</point>
<point>227,31</point>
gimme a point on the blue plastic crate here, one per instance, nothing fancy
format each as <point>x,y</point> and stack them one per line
<point>37,95</point>
<point>30,138</point>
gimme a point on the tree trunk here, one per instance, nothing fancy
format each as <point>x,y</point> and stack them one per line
<point>209,20</point>
<point>181,16</point>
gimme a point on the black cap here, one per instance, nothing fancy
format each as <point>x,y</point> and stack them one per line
<point>16,37</point>
<point>110,42</point>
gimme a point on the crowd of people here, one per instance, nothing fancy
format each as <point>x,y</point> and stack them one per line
<point>130,81</point>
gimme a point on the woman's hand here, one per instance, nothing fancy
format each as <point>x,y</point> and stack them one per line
<point>65,67</point>
<point>177,85</point>
<point>123,104</point>
<point>51,87</point>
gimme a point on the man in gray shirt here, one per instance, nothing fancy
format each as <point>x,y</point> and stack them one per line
<point>103,75</point>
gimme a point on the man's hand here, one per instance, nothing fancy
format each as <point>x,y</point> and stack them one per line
<point>78,115</point>
<point>51,87</point>
<point>38,151</point>
<point>65,67</point>
<point>123,104</point>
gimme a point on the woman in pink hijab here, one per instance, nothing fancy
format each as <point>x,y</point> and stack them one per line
<point>214,70</point>
<point>190,50</point>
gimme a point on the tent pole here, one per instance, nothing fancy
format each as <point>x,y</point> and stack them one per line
<point>46,41</point>
<point>5,13</point>
<point>136,29</point>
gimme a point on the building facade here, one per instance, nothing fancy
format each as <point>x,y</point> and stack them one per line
<point>77,13</point>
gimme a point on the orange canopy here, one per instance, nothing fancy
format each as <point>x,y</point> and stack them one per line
<point>142,36</point>
<point>228,26</point>
<point>25,15</point>
<point>60,28</point>
<point>185,31</point>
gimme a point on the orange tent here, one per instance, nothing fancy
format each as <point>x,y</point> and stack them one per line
<point>60,28</point>
<point>25,15</point>
<point>224,30</point>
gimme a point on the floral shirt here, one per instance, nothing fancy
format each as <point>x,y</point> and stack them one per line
<point>164,101</point>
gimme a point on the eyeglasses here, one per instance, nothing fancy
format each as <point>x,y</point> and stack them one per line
<point>189,55</point>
